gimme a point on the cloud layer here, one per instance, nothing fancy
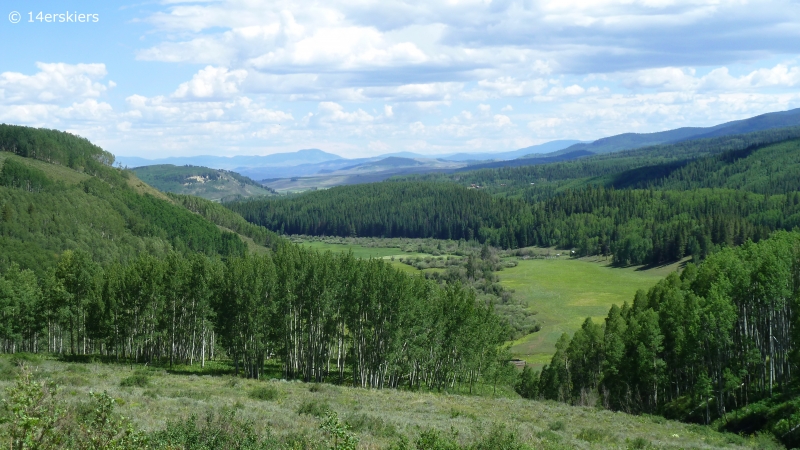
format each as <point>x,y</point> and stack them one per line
<point>366,77</point>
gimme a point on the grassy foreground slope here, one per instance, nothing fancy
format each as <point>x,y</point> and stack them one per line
<point>291,412</point>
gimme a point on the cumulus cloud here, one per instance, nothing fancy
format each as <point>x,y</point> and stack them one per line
<point>211,82</point>
<point>54,83</point>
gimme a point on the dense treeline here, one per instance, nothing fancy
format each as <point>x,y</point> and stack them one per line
<point>17,175</point>
<point>696,346</point>
<point>636,226</point>
<point>770,170</point>
<point>55,147</point>
<point>327,317</point>
<point>224,217</point>
<point>652,227</point>
<point>415,210</point>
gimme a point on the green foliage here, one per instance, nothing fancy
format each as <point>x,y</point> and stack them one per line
<point>103,216</point>
<point>136,380</point>
<point>689,347</point>
<point>31,414</point>
<point>56,147</point>
<point>17,175</point>
<point>595,435</point>
<point>266,393</point>
<point>314,407</point>
<point>339,435</point>
<point>224,217</point>
<point>222,430</point>
<point>374,425</point>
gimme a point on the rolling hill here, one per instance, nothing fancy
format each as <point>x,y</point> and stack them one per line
<point>61,193</point>
<point>213,184</point>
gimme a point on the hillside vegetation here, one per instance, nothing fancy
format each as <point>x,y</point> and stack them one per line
<point>211,184</point>
<point>193,410</point>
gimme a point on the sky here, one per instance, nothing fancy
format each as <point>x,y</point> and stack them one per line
<point>367,77</point>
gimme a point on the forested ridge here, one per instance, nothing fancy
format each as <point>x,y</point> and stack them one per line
<point>696,347</point>
<point>644,207</point>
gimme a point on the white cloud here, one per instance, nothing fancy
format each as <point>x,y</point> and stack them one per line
<point>211,82</point>
<point>55,83</point>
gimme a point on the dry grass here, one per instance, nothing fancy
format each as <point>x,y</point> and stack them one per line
<point>378,416</point>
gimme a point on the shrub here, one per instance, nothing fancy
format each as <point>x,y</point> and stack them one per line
<point>136,380</point>
<point>266,393</point>
<point>499,439</point>
<point>556,426</point>
<point>375,426</point>
<point>639,443</point>
<point>435,440</point>
<point>314,408</point>
<point>339,434</point>
<point>595,435</point>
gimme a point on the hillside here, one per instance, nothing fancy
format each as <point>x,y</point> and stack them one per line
<point>628,141</point>
<point>66,196</point>
<point>212,184</point>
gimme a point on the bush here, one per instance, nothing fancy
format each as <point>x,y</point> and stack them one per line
<point>136,380</point>
<point>266,393</point>
<point>499,439</point>
<point>556,426</point>
<point>223,430</point>
<point>639,443</point>
<point>314,408</point>
<point>375,426</point>
<point>435,440</point>
<point>595,435</point>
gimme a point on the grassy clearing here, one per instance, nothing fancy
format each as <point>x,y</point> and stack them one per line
<point>378,417</point>
<point>389,254</point>
<point>565,291</point>
<point>53,171</point>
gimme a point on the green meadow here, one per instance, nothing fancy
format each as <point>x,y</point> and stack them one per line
<point>390,254</point>
<point>564,292</point>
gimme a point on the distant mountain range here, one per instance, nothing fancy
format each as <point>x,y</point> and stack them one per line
<point>628,141</point>
<point>299,157</point>
<point>305,169</point>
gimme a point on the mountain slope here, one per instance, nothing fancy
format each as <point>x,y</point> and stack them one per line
<point>212,184</point>
<point>48,207</point>
<point>629,141</point>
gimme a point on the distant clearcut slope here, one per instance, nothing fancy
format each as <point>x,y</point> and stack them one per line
<point>211,184</point>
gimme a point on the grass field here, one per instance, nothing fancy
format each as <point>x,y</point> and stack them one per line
<point>359,251</point>
<point>566,291</point>
<point>378,417</point>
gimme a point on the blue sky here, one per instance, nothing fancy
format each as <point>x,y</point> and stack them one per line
<point>365,77</point>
